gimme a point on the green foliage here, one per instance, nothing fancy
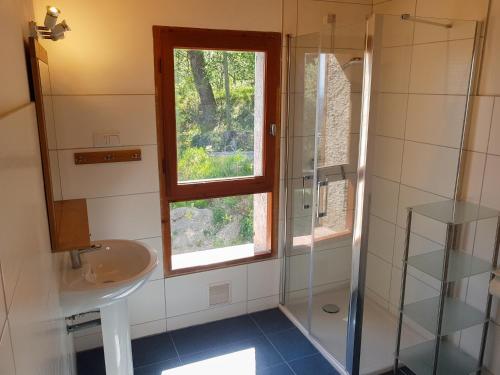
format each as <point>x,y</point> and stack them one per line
<point>228,134</point>
<point>197,164</point>
<point>208,151</point>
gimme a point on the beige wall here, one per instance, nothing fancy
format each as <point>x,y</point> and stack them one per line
<point>32,331</point>
<point>14,91</point>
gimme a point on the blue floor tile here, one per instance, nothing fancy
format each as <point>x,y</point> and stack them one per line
<point>314,364</point>
<point>262,352</point>
<point>217,341</point>
<point>91,362</point>
<point>292,344</point>
<point>157,368</point>
<point>151,349</point>
<point>281,369</point>
<point>272,320</point>
<point>212,335</point>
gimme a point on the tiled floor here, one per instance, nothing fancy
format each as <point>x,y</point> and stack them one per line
<point>262,343</point>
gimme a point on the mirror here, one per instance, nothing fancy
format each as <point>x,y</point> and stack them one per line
<point>68,221</point>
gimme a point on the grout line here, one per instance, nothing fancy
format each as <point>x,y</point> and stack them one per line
<point>223,345</point>
<point>400,227</point>
<point>377,294</point>
<point>407,99</point>
<point>307,356</point>
<point>425,93</point>
<point>175,347</point>
<point>210,308</point>
<point>483,37</point>
<point>121,94</point>
<point>125,195</point>
<point>448,41</point>
<point>345,2</point>
<point>16,109</point>
<point>480,199</point>
<point>164,297</point>
<point>431,144</point>
<point>412,187</point>
<point>274,347</point>
<point>103,148</point>
<point>380,258</point>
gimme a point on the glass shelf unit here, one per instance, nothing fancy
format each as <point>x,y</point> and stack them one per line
<point>455,212</point>
<point>460,265</point>
<point>420,358</point>
<point>457,315</point>
<point>444,315</point>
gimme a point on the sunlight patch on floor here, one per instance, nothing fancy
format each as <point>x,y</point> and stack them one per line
<point>241,363</point>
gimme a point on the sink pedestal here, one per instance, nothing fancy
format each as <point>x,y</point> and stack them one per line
<point>116,338</point>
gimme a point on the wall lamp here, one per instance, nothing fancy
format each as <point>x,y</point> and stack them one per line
<point>50,29</point>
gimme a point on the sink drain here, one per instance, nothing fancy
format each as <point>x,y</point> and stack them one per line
<point>331,308</point>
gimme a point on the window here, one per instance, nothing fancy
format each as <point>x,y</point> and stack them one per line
<point>217,95</point>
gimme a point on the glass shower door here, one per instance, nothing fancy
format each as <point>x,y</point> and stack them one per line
<point>325,94</point>
<point>339,80</point>
<point>300,177</point>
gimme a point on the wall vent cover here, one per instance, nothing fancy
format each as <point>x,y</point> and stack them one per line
<point>219,294</point>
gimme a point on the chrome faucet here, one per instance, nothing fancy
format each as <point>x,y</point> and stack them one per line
<point>75,255</point>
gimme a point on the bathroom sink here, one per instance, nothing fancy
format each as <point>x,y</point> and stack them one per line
<point>108,274</point>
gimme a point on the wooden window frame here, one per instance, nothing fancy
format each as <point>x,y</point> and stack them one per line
<point>166,39</point>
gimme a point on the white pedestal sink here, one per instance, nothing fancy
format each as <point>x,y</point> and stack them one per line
<point>106,278</point>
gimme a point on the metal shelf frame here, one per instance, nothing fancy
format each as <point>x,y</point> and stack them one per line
<point>445,291</point>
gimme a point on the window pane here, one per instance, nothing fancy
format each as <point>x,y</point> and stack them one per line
<point>219,104</point>
<point>208,231</point>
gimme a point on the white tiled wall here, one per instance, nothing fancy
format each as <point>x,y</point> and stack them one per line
<point>33,339</point>
<point>431,125</point>
<point>33,336</point>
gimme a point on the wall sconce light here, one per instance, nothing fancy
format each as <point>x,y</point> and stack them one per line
<point>50,29</point>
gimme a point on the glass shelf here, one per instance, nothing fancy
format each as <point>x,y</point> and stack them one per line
<point>455,212</point>
<point>460,265</point>
<point>456,317</point>
<point>419,359</point>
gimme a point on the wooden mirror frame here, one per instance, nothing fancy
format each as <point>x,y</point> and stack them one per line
<point>67,219</point>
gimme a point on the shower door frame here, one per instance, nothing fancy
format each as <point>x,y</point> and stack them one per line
<point>361,208</point>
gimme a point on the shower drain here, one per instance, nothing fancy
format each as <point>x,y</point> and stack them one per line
<point>331,308</point>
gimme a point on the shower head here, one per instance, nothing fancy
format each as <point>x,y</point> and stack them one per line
<point>354,60</point>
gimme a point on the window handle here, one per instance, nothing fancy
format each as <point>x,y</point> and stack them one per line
<point>272,129</point>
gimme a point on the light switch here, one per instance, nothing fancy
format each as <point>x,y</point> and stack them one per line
<point>114,139</point>
<point>106,139</point>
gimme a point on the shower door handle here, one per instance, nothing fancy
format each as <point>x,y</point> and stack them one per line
<point>304,179</point>
<point>322,211</point>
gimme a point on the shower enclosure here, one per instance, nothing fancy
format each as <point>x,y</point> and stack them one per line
<point>369,133</point>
